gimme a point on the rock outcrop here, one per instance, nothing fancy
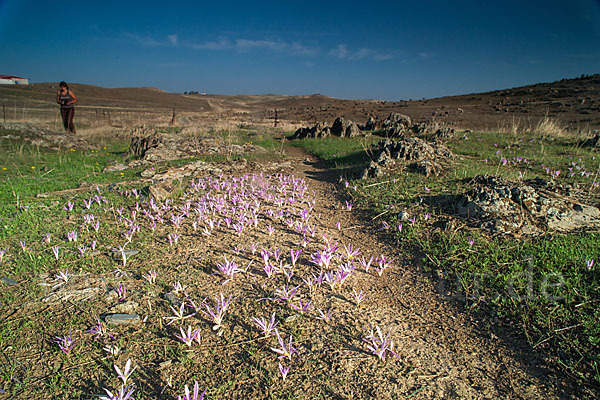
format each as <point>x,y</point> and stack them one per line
<point>320,130</point>
<point>345,128</point>
<point>420,157</point>
<point>155,146</point>
<point>341,127</point>
<point>523,208</point>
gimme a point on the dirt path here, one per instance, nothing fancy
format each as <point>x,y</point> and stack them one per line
<point>442,354</point>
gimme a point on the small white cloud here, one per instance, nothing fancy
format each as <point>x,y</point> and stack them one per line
<point>299,49</point>
<point>361,53</point>
<point>341,51</point>
<point>247,44</point>
<point>425,55</point>
<point>221,44</point>
<point>173,39</point>
<point>145,41</point>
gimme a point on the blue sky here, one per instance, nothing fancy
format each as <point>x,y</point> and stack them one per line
<point>349,49</point>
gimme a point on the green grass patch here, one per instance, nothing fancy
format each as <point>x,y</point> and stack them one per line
<point>539,286</point>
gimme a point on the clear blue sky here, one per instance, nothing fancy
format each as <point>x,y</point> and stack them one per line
<point>347,49</point>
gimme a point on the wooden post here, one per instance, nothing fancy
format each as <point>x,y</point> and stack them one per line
<point>173,117</point>
<point>109,121</point>
<point>276,120</point>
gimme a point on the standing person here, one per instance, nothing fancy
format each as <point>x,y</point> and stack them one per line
<point>66,98</point>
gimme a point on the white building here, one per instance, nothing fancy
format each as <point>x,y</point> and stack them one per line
<point>13,80</point>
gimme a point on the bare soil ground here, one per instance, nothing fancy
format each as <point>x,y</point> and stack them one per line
<point>443,353</point>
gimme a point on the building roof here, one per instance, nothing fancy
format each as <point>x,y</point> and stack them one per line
<point>10,77</point>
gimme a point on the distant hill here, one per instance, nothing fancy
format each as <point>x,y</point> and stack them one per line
<point>573,102</point>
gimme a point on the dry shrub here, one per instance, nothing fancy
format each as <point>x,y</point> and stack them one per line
<point>550,127</point>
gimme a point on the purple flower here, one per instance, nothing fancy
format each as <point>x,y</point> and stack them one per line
<point>54,251</point>
<point>286,294</point>
<point>357,296</point>
<point>324,317</point>
<point>65,343</point>
<point>179,314</point>
<point>266,327</point>
<point>88,203</point>
<point>122,292</point>
<point>366,264</point>
<point>589,264</point>
<point>189,336</point>
<point>150,276</point>
<point>228,269</point>
<point>61,278</point>
<point>124,393</point>
<point>179,288</point>
<point>379,344</point>
<point>294,255</point>
<point>382,264</point>
<point>99,330</point>
<point>351,252</point>
<point>284,371</point>
<point>218,313</point>
<point>285,350</point>
<point>126,373</point>
<point>301,307</point>
<point>194,395</point>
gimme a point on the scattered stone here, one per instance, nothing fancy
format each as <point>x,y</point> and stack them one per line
<point>403,215</point>
<point>148,173</point>
<point>117,256</point>
<point>161,191</point>
<point>122,319</point>
<point>8,281</point>
<point>63,294</point>
<point>172,299</point>
<point>115,167</point>
<point>112,295</point>
<point>128,307</point>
